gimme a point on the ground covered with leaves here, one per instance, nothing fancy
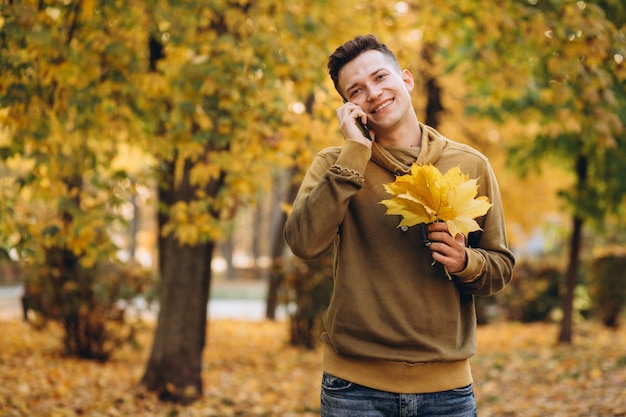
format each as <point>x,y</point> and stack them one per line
<point>251,371</point>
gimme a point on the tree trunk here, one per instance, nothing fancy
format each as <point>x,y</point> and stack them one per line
<point>175,363</point>
<point>228,247</point>
<point>565,335</point>
<point>279,219</point>
<point>134,223</point>
<point>434,106</point>
<point>288,191</point>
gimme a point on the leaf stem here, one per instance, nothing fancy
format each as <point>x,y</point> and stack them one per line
<point>445,269</point>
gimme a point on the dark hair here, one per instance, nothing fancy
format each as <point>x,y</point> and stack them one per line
<point>352,49</point>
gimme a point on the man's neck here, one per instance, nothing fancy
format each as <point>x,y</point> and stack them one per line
<point>405,136</point>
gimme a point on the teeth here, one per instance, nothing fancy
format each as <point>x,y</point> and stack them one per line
<point>382,106</point>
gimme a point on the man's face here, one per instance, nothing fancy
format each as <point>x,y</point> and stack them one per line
<point>375,84</point>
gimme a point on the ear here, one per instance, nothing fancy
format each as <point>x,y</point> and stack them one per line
<point>407,78</point>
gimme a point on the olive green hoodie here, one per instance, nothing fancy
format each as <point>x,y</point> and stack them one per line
<point>395,321</point>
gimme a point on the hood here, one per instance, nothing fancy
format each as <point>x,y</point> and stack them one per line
<point>399,160</point>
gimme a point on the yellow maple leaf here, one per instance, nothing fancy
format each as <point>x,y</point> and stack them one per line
<point>426,195</point>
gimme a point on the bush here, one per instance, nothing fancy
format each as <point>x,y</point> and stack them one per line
<point>89,302</point>
<point>533,293</point>
<point>607,284</point>
<point>306,287</point>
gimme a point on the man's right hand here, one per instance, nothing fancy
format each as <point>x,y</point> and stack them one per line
<point>347,116</point>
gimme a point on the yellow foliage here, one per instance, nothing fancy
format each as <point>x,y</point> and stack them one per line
<point>81,240</point>
<point>426,196</point>
<point>187,234</point>
<point>203,173</point>
<point>192,223</point>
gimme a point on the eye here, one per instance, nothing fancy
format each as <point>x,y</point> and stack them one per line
<point>381,75</point>
<point>355,92</point>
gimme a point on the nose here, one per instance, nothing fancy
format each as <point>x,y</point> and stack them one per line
<point>373,92</point>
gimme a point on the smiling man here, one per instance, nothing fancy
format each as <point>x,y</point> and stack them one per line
<point>398,332</point>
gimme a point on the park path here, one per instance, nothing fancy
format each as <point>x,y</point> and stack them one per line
<point>236,299</point>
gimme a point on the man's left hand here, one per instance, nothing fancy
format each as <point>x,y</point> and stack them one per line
<point>447,250</point>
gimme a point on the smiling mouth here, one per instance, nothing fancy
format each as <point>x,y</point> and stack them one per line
<point>383,106</point>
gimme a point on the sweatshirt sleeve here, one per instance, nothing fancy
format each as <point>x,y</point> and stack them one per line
<point>489,260</point>
<point>323,199</point>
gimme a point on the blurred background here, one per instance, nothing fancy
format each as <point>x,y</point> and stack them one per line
<point>150,151</point>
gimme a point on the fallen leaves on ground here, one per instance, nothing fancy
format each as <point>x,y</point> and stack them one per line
<point>249,370</point>
<point>520,371</point>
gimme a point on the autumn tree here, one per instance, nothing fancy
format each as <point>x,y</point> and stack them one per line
<point>217,97</point>
<point>66,95</point>
<point>557,67</point>
<point>203,89</point>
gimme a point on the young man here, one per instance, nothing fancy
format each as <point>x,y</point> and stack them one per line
<point>398,332</point>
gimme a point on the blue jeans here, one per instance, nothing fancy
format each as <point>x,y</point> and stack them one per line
<point>341,398</point>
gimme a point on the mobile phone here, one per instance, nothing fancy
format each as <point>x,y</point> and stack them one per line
<point>364,128</point>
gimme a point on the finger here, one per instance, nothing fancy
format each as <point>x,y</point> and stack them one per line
<point>441,236</point>
<point>452,258</point>
<point>461,239</point>
<point>445,249</point>
<point>438,227</point>
<point>357,113</point>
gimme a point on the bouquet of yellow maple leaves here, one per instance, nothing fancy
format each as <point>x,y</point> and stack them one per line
<point>425,195</point>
